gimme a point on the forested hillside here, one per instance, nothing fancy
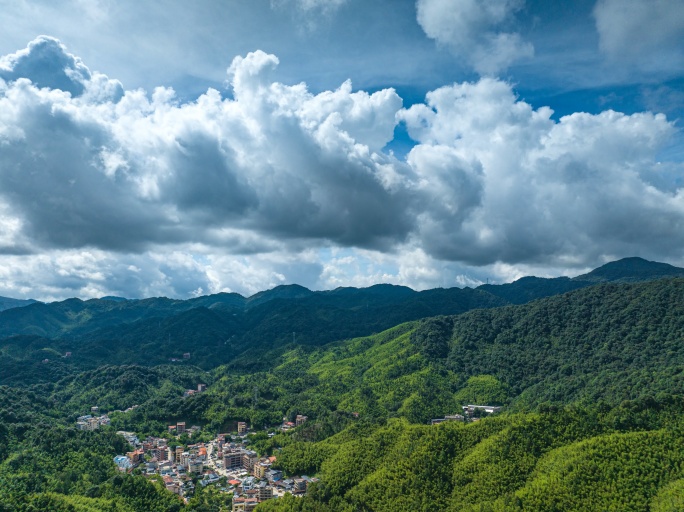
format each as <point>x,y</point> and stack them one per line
<point>590,382</point>
<point>229,328</point>
<point>627,458</point>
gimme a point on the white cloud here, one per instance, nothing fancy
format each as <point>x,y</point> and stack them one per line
<point>647,34</point>
<point>547,190</point>
<point>475,31</point>
<point>278,184</point>
<point>129,172</point>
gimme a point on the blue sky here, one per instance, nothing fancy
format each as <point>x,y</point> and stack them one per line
<point>187,148</point>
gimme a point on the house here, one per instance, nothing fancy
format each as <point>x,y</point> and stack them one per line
<point>243,504</point>
<point>260,468</point>
<point>287,484</point>
<point>453,417</point>
<point>242,427</point>
<point>249,459</point>
<point>136,456</point>
<point>195,465</point>
<point>265,492</point>
<point>122,462</point>
<point>249,483</point>
<point>209,478</point>
<point>201,388</point>
<point>273,475</point>
<point>300,420</point>
<point>489,409</point>
<point>232,459</point>
<point>299,486</point>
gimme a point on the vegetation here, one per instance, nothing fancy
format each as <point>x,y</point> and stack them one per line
<point>574,458</point>
<point>590,382</point>
<point>227,328</point>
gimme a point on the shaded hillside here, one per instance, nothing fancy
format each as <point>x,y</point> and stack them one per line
<point>7,303</point>
<point>595,374</point>
<point>610,341</point>
<point>527,289</point>
<point>252,333</point>
<point>607,344</point>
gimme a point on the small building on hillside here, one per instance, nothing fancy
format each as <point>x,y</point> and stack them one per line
<point>489,409</point>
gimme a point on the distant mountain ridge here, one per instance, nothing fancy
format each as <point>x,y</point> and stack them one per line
<point>217,329</point>
<point>8,303</point>
<point>631,270</point>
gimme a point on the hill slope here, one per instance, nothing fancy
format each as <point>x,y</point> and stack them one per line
<point>7,303</point>
<point>228,327</point>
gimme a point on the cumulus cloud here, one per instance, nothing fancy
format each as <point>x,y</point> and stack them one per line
<point>648,34</point>
<point>46,63</point>
<point>475,30</point>
<point>135,170</point>
<point>547,190</point>
<point>105,191</point>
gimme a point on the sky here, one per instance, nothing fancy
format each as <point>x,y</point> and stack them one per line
<point>183,148</point>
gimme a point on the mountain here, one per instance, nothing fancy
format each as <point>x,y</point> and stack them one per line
<point>590,381</point>
<point>154,330</point>
<point>629,270</point>
<point>291,291</point>
<point>600,345</point>
<point>8,303</point>
<point>602,367</point>
<point>527,289</point>
<point>626,270</point>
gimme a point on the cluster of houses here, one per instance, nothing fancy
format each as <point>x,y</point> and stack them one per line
<point>469,412</point>
<point>186,356</point>
<point>174,464</point>
<point>201,388</point>
<point>289,425</point>
<point>92,421</point>
<point>252,479</point>
<point>223,461</point>
<point>180,428</point>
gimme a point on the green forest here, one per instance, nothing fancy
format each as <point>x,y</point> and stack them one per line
<point>589,373</point>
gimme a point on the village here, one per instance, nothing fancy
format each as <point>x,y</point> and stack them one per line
<point>226,461</point>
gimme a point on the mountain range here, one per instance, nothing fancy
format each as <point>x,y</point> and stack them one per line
<point>589,372</point>
<point>229,328</point>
